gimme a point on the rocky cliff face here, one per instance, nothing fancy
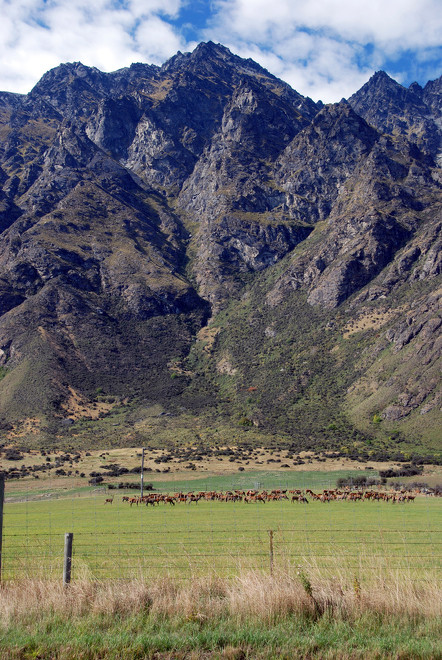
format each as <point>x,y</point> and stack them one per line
<point>135,206</point>
<point>371,192</point>
<point>414,113</point>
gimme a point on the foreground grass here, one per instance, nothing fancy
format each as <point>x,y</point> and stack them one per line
<point>289,615</point>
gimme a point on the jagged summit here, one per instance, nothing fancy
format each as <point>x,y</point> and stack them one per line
<point>381,77</point>
<point>394,109</point>
<point>201,53</point>
<point>209,48</point>
<point>137,205</point>
<point>381,83</point>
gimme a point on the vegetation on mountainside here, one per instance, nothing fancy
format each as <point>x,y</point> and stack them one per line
<point>294,366</point>
<point>136,205</point>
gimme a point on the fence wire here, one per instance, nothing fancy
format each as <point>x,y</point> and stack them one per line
<point>185,540</point>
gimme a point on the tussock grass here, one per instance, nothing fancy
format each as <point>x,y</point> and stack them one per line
<point>306,590</point>
<point>299,612</point>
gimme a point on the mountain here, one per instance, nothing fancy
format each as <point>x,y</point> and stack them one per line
<point>199,239</point>
<point>414,113</point>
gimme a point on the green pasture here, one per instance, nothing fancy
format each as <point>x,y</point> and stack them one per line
<point>223,537</point>
<point>262,479</point>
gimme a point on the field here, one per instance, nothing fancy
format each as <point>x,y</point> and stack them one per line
<point>219,580</point>
<point>222,538</point>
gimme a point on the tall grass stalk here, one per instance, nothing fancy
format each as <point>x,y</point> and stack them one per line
<point>296,613</point>
<point>306,589</point>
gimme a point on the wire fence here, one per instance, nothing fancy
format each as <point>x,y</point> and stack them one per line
<point>188,539</point>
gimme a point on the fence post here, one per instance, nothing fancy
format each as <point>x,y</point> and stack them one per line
<point>67,562</point>
<point>271,551</point>
<point>142,472</point>
<point>2,499</point>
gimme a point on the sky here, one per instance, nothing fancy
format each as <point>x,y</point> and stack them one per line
<point>325,49</point>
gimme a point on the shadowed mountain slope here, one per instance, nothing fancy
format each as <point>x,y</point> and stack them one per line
<point>201,237</point>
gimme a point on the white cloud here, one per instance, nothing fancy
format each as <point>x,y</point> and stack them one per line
<point>156,40</point>
<point>417,22</point>
<point>318,45</point>
<point>147,7</point>
<point>36,35</point>
<point>324,48</point>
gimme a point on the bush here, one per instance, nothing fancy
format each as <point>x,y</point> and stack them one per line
<point>13,455</point>
<point>357,482</point>
<point>130,485</point>
<point>95,480</point>
<point>406,471</point>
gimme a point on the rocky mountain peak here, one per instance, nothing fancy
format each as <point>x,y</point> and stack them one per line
<point>416,89</point>
<point>66,74</point>
<point>210,49</point>
<point>205,53</point>
<point>396,110</point>
<point>381,79</point>
<point>433,96</point>
<point>136,205</point>
<point>381,87</point>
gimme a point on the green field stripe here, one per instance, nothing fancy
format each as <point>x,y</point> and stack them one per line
<point>243,531</point>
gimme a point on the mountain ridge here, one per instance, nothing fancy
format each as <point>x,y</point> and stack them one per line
<point>141,209</point>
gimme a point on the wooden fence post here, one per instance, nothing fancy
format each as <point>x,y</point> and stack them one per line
<point>142,472</point>
<point>67,562</point>
<point>2,499</point>
<point>271,551</point>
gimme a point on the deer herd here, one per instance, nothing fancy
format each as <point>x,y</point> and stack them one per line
<point>251,496</point>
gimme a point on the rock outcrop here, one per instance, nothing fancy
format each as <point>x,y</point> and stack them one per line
<point>137,205</point>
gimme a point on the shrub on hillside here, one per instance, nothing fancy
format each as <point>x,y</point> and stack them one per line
<point>406,471</point>
<point>129,485</point>
<point>357,482</point>
<point>95,480</point>
<point>13,455</point>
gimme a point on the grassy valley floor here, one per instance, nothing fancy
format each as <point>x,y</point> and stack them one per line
<point>342,580</point>
<point>253,616</point>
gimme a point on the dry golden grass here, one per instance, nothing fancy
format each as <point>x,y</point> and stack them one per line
<point>130,457</point>
<point>371,320</point>
<point>94,460</point>
<point>207,336</point>
<point>252,595</point>
<point>77,406</point>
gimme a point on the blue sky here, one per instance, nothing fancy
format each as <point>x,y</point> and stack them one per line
<point>325,49</point>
